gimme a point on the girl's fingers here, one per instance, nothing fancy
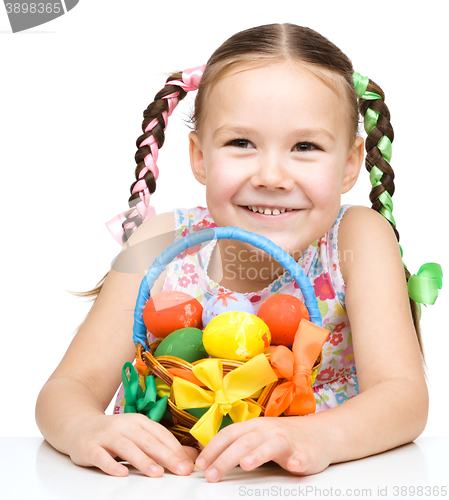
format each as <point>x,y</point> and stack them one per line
<point>145,444</point>
<point>167,458</point>
<point>161,448</point>
<point>279,451</point>
<point>299,463</point>
<point>221,442</point>
<point>167,439</point>
<point>131,453</point>
<point>233,455</point>
<point>191,452</point>
<point>268,450</point>
<point>99,457</point>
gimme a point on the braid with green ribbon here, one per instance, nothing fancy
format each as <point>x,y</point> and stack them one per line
<point>422,287</point>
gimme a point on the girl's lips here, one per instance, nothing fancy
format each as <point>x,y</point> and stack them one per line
<point>279,217</point>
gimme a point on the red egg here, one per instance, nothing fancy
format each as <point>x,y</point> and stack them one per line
<point>283,313</point>
<point>171,310</point>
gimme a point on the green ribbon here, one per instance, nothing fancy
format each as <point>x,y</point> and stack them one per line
<point>360,85</point>
<point>423,287</point>
<point>138,400</point>
<point>385,148</point>
<point>384,145</point>
<point>371,117</point>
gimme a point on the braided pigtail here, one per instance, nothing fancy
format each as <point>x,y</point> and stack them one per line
<point>153,126</point>
<point>378,146</point>
<point>148,145</point>
<point>423,287</point>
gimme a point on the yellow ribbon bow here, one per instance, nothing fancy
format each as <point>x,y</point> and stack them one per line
<point>225,395</point>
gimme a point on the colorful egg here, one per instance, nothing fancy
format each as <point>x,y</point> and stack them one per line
<point>224,302</point>
<point>236,335</point>
<point>186,343</point>
<point>283,313</point>
<point>169,311</point>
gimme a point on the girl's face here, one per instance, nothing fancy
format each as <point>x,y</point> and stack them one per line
<point>276,139</point>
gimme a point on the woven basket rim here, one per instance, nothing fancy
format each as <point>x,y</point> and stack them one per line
<point>183,421</point>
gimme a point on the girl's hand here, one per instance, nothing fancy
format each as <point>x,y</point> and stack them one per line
<point>295,443</point>
<point>147,445</point>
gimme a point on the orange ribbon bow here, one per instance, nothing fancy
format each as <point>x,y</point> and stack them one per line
<point>295,397</point>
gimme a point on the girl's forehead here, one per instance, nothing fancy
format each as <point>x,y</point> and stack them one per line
<point>273,78</point>
<point>285,93</point>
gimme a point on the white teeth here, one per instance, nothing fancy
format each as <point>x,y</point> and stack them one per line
<point>268,211</point>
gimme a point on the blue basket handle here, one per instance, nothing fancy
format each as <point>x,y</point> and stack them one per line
<point>221,233</point>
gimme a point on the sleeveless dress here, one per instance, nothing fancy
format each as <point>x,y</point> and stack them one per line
<point>336,379</point>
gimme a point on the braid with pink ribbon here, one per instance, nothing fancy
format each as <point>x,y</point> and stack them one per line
<point>147,172</point>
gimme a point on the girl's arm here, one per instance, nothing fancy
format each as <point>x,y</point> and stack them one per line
<point>70,407</point>
<point>392,406</point>
<point>393,400</point>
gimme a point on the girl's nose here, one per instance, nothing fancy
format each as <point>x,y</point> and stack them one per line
<point>272,174</point>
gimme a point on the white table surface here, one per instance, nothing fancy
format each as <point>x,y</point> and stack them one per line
<point>30,468</point>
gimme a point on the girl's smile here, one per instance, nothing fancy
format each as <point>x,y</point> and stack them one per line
<point>264,213</point>
<point>276,173</point>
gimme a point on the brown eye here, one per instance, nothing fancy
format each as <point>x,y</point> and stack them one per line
<point>240,143</point>
<point>303,147</point>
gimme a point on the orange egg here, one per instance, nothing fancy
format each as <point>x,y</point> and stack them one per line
<point>169,311</point>
<point>282,313</point>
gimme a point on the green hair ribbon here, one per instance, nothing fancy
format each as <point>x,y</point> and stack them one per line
<point>138,400</point>
<point>360,84</point>
<point>422,287</point>
<point>384,145</point>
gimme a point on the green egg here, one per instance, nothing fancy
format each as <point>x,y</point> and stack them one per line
<point>186,344</point>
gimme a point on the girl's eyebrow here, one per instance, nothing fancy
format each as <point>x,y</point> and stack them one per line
<point>233,130</point>
<point>304,133</point>
<point>314,133</point>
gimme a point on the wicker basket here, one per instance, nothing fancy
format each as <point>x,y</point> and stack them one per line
<point>183,421</point>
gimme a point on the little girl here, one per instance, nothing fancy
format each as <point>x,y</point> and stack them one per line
<point>275,143</point>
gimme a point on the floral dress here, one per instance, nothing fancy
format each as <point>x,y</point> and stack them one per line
<point>336,380</point>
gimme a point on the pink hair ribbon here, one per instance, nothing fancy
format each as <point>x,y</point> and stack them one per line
<point>190,78</point>
<point>190,81</point>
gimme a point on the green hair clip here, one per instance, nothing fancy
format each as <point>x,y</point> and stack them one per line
<point>422,287</point>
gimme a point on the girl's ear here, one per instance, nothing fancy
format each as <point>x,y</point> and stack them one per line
<point>353,165</point>
<point>196,158</point>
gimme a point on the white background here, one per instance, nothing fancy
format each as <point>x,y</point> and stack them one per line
<point>71,102</point>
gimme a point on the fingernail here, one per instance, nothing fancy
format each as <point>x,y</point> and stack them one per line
<point>212,474</point>
<point>249,460</point>
<point>121,470</point>
<point>155,469</point>
<point>201,463</point>
<point>182,468</point>
<point>294,464</point>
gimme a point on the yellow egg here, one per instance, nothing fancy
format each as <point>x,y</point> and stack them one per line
<point>236,335</point>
